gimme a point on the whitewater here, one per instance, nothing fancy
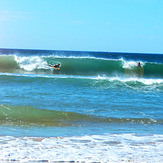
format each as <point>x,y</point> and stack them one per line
<point>99,107</point>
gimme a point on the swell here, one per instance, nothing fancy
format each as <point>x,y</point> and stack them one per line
<point>8,62</point>
<point>27,116</point>
<point>80,66</point>
<point>153,69</point>
<point>101,82</point>
<point>87,66</point>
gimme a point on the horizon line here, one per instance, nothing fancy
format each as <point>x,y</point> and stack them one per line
<point>91,51</point>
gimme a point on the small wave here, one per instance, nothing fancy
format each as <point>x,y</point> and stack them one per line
<point>26,115</point>
<point>115,80</point>
<point>143,81</point>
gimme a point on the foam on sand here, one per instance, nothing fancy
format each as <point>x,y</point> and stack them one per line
<point>103,148</point>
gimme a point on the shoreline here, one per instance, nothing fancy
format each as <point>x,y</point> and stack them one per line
<point>95,148</point>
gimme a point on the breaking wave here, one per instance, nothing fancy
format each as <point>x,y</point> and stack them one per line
<point>88,66</point>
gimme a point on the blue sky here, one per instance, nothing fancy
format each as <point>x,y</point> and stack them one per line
<point>89,25</point>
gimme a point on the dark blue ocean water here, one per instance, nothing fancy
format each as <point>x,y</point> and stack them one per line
<point>93,93</point>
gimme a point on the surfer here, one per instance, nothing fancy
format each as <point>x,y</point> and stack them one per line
<point>57,66</point>
<point>139,64</point>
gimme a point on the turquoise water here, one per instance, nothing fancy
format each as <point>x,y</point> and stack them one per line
<point>93,94</point>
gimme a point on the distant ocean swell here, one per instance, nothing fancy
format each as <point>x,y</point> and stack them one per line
<point>80,66</point>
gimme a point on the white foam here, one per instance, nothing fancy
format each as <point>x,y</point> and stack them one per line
<point>134,79</point>
<point>144,81</point>
<point>103,148</point>
<point>131,64</point>
<point>31,63</point>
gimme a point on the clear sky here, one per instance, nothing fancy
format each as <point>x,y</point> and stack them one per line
<point>89,25</point>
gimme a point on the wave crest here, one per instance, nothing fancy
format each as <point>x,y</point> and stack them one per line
<point>31,63</point>
<point>84,66</point>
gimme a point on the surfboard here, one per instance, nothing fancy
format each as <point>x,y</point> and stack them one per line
<point>55,68</point>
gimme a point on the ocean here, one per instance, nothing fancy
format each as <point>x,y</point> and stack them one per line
<point>99,107</point>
